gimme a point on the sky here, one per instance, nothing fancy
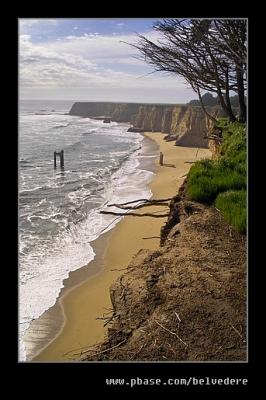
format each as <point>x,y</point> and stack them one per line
<point>84,60</point>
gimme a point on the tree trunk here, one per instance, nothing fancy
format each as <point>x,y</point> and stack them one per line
<point>224,106</point>
<point>227,98</point>
<point>228,110</point>
<point>204,109</point>
<point>241,95</point>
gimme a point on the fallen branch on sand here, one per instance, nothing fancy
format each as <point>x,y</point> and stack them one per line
<point>144,201</point>
<point>153,201</point>
<point>139,205</point>
<point>136,215</point>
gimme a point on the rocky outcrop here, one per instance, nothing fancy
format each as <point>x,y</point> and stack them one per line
<point>185,124</point>
<point>133,129</point>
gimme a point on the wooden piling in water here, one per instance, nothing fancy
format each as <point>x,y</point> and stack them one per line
<point>161,158</point>
<point>62,161</point>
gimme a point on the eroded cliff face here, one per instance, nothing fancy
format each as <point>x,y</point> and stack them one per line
<point>186,125</point>
<point>187,300</point>
<point>119,112</point>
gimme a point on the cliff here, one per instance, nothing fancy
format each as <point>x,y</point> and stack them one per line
<point>177,304</point>
<point>185,124</point>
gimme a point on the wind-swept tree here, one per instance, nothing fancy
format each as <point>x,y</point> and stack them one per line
<point>232,41</point>
<point>205,53</point>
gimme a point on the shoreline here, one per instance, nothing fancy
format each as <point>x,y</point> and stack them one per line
<point>90,299</point>
<point>48,326</point>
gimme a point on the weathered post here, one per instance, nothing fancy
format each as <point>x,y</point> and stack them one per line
<point>54,159</point>
<point>62,159</point>
<point>61,154</point>
<point>161,158</point>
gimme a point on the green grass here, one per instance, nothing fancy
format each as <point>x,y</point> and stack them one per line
<point>232,205</point>
<point>234,140</point>
<point>208,179</point>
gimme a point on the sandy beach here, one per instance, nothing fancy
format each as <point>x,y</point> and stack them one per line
<point>82,303</point>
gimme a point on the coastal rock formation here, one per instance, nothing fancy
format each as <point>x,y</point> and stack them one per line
<point>133,129</point>
<point>186,301</point>
<point>185,124</point>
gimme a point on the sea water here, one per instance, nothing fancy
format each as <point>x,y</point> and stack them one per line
<point>59,210</point>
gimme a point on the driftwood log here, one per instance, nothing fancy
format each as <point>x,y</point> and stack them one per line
<point>136,215</point>
<point>143,203</point>
<point>150,202</point>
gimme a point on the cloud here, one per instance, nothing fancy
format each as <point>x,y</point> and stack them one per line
<point>40,65</point>
<point>25,24</point>
<point>89,63</point>
<point>99,47</point>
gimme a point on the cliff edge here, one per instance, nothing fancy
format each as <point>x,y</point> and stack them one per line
<point>186,125</point>
<point>186,301</point>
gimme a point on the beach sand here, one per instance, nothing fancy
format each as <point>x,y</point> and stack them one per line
<point>83,303</point>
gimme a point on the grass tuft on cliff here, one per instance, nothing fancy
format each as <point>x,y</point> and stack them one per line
<point>221,180</point>
<point>232,205</point>
<point>208,179</point>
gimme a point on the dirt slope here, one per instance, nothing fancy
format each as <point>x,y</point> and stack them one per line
<point>185,302</point>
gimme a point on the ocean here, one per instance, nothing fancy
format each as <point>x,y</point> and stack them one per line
<point>59,209</point>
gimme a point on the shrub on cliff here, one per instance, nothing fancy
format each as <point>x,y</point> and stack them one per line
<point>232,205</point>
<point>206,182</point>
<point>225,177</point>
<point>233,148</point>
<point>234,139</point>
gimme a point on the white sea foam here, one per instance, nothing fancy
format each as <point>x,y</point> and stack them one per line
<point>30,190</point>
<point>40,286</point>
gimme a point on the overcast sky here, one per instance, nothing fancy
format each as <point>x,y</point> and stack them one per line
<point>84,59</point>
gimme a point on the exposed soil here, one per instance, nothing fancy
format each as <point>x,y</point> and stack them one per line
<point>185,302</point>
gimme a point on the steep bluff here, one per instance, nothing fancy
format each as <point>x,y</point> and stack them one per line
<point>187,300</point>
<point>185,124</point>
